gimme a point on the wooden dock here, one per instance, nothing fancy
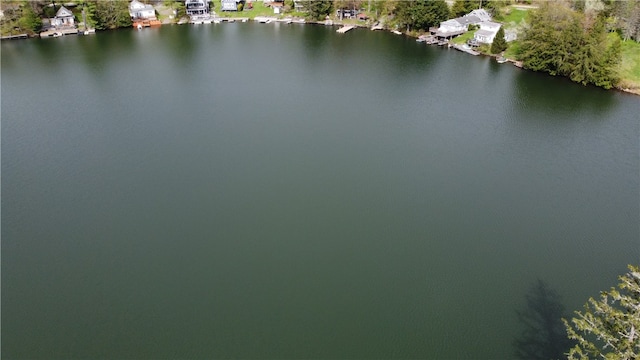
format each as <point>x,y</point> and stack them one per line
<point>14,37</point>
<point>216,20</point>
<point>344,29</point>
<point>58,32</point>
<point>234,19</point>
<point>265,19</point>
<point>465,49</point>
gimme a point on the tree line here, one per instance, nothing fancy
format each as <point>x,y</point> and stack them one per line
<point>579,39</point>
<point>561,41</point>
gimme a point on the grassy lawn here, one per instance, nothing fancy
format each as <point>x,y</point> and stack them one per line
<point>512,50</point>
<point>512,17</point>
<point>259,9</point>
<point>629,68</point>
<point>462,39</point>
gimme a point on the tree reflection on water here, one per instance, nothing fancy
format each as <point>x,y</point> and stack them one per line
<point>543,335</point>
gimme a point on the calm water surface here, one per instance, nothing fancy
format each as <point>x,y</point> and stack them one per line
<point>272,191</point>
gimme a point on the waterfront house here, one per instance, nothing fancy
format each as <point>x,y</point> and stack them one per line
<point>64,19</point>
<point>457,26</point>
<point>141,11</point>
<point>346,13</point>
<point>487,32</point>
<point>197,8</point>
<point>460,25</point>
<point>450,28</point>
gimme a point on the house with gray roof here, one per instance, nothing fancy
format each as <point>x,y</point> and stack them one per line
<point>197,8</point>
<point>64,19</point>
<point>460,25</point>
<point>487,32</point>
<point>481,14</point>
<point>139,10</point>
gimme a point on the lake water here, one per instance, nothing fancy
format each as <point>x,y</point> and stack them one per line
<point>283,191</point>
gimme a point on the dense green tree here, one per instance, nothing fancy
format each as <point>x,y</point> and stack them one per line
<point>463,7</point>
<point>319,9</point>
<point>111,14</point>
<point>388,7</point>
<point>494,7</point>
<point>29,21</point>
<point>499,44</point>
<point>421,14</point>
<point>540,46</point>
<point>180,8</point>
<point>561,42</point>
<point>89,13</point>
<point>380,7</point>
<point>21,17</point>
<point>543,335</point>
<point>594,61</point>
<point>50,10</point>
<point>609,328</point>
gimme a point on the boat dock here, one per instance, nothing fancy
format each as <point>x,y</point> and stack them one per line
<point>344,29</point>
<point>427,39</point>
<point>241,19</point>
<point>468,50</point>
<point>265,19</point>
<point>13,37</point>
<point>58,32</point>
<point>216,20</point>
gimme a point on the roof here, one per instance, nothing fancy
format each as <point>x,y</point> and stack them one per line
<point>490,24</point>
<point>63,12</point>
<point>468,19</point>
<point>451,22</point>
<point>137,5</point>
<point>482,14</point>
<point>449,34</point>
<point>486,33</point>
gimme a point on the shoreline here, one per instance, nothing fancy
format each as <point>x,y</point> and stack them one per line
<point>332,23</point>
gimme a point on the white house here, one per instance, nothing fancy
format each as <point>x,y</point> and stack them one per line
<point>64,18</point>
<point>468,20</point>
<point>457,26</point>
<point>487,32</point>
<point>197,7</point>
<point>138,10</point>
<point>451,26</point>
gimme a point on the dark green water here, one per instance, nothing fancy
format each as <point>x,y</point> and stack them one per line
<point>273,191</point>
